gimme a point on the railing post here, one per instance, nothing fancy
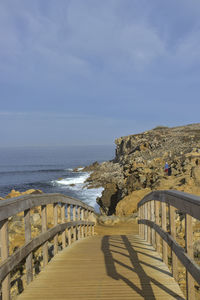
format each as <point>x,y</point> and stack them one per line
<point>86,226</point>
<point>55,217</point>
<point>153,240</point>
<point>29,266</point>
<point>149,218</point>
<point>69,219</point>
<point>93,225</point>
<point>157,217</point>
<point>79,216</point>
<point>145,215</point>
<point>44,229</point>
<point>82,218</point>
<point>143,226</point>
<point>172,214</point>
<point>4,255</point>
<point>63,221</point>
<point>139,217</point>
<point>74,219</point>
<point>189,249</point>
<point>164,227</point>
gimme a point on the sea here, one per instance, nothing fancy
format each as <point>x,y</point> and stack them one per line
<point>50,169</point>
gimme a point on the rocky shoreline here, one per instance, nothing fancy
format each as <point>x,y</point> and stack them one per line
<point>138,167</point>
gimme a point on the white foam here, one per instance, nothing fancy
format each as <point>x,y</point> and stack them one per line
<point>77,184</point>
<point>73,180</point>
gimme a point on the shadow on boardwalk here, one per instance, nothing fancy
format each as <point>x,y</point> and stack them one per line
<point>127,248</point>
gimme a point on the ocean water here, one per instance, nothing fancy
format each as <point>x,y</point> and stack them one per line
<point>50,169</point>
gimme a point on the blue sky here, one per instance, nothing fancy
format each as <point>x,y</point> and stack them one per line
<point>86,72</point>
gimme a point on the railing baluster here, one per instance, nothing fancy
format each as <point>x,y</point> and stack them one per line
<point>4,255</point>
<point>69,233</point>
<point>157,220</point>
<point>29,266</point>
<point>172,211</point>
<point>153,239</point>
<point>149,218</point>
<point>44,229</point>
<point>63,221</point>
<point>145,216</point>
<point>82,218</point>
<point>74,219</point>
<point>189,249</point>
<point>79,217</point>
<point>55,218</point>
<point>164,227</point>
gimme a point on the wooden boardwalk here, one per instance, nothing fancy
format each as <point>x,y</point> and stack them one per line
<point>118,266</point>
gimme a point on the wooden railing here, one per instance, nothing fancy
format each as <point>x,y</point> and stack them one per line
<point>157,212</point>
<point>73,225</point>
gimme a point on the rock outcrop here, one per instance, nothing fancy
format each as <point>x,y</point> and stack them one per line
<point>138,167</point>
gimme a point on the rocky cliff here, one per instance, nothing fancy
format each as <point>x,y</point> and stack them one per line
<point>139,163</point>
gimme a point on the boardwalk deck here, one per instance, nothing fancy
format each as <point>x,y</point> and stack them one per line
<point>118,266</point>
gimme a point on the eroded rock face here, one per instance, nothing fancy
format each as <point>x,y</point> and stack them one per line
<point>139,166</point>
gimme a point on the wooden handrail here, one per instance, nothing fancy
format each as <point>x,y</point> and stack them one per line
<point>11,207</point>
<point>186,204</point>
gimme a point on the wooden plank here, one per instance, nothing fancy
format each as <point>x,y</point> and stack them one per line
<point>189,249</point>
<point>29,264</point>
<point>55,220</point>
<point>173,234</point>
<point>164,227</point>
<point>4,255</point>
<point>7,265</point>
<point>187,262</point>
<point>157,221</point>
<point>63,221</point>
<point>44,229</point>
<point>94,268</point>
<point>13,206</point>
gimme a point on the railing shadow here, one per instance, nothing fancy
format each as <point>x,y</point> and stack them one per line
<point>135,265</point>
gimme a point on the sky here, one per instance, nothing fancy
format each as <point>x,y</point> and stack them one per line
<point>76,72</point>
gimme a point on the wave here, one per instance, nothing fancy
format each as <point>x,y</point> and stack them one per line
<point>77,185</point>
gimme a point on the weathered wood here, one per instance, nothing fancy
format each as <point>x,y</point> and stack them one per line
<point>153,238</point>
<point>164,227</point>
<point>82,218</point>
<point>173,234</point>
<point>69,232</point>
<point>74,219</point>
<point>96,269</point>
<point>7,265</point>
<point>149,218</point>
<point>184,258</point>
<point>157,221</point>
<point>13,206</point>
<point>184,202</point>
<point>55,221</point>
<point>4,256</point>
<point>189,250</point>
<point>78,218</point>
<point>63,221</point>
<point>44,229</point>
<point>146,217</point>
<point>143,226</point>
<point>29,264</point>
